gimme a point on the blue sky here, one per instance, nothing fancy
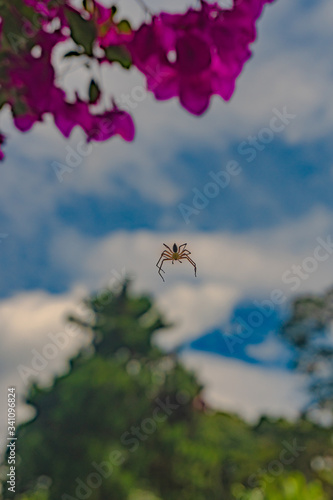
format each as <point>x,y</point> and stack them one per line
<point>112,213</point>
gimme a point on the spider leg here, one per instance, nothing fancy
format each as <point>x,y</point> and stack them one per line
<point>185,252</point>
<point>165,258</point>
<point>183,245</point>
<point>189,259</point>
<point>167,247</point>
<point>191,262</point>
<point>160,268</point>
<point>163,254</point>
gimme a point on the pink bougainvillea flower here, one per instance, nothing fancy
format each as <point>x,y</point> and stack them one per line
<point>69,115</point>
<point>110,123</point>
<point>197,54</point>
<point>2,141</point>
<point>34,82</point>
<point>28,76</point>
<point>48,9</point>
<point>98,127</point>
<point>108,31</point>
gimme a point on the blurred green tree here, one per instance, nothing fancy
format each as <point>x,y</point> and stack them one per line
<point>287,487</point>
<point>127,422</point>
<point>121,419</point>
<point>309,330</point>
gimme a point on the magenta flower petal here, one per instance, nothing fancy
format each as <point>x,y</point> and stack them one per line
<point>46,8</point>
<point>195,94</point>
<point>193,54</point>
<point>110,123</point>
<point>108,32</point>
<point>124,125</point>
<point>25,122</point>
<point>211,44</point>
<point>166,88</point>
<point>69,115</point>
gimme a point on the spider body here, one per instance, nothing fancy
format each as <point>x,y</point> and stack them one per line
<point>177,253</point>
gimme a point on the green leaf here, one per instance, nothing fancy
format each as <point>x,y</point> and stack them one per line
<point>83,32</point>
<point>19,108</point>
<point>120,54</point>
<point>94,92</point>
<point>73,53</point>
<point>15,35</point>
<point>3,99</point>
<point>124,26</point>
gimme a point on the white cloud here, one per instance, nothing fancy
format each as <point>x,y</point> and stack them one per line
<point>34,343</point>
<point>271,350</point>
<point>251,262</point>
<point>39,311</point>
<point>194,310</point>
<point>230,267</point>
<point>247,390</point>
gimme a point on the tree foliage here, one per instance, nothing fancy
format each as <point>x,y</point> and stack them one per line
<point>128,421</point>
<point>287,487</point>
<point>309,330</point>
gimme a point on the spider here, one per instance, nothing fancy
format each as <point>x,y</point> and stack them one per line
<point>175,254</point>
